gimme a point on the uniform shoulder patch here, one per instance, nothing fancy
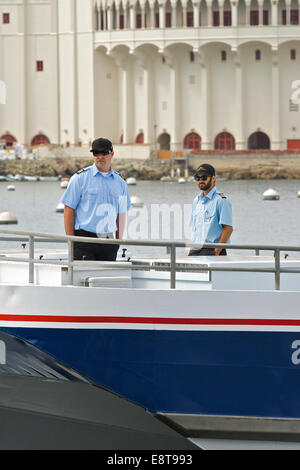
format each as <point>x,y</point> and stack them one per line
<point>223,195</point>
<point>80,171</point>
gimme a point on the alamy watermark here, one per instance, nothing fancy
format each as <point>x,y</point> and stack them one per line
<point>2,92</point>
<point>159,222</point>
<point>152,222</point>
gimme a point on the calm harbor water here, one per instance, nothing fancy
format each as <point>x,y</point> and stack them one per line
<point>167,208</point>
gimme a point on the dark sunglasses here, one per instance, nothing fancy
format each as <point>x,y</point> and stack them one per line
<point>96,153</point>
<point>201,177</point>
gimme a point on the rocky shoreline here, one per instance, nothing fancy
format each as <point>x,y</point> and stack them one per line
<point>237,168</point>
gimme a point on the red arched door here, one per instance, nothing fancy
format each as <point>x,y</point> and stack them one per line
<point>8,139</point>
<point>140,138</point>
<point>258,140</point>
<point>40,139</point>
<point>164,141</point>
<point>192,141</point>
<point>224,141</point>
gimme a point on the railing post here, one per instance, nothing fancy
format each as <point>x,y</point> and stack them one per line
<point>70,261</point>
<point>31,259</point>
<point>277,268</point>
<point>173,267</point>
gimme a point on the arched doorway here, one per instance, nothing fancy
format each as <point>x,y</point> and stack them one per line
<point>39,139</point>
<point>192,141</point>
<point>224,141</point>
<point>8,139</point>
<point>164,141</point>
<point>140,138</point>
<point>258,140</point>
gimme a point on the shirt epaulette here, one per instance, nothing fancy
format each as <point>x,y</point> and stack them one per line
<point>80,171</point>
<point>223,196</point>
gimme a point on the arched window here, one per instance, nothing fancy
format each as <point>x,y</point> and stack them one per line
<point>254,13</point>
<point>8,139</point>
<point>164,141</point>
<point>192,141</point>
<point>227,13</point>
<point>40,139</point>
<point>258,140</point>
<point>224,141</point>
<point>294,12</point>
<point>140,138</point>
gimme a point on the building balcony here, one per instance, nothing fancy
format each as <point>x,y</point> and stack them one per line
<point>196,37</point>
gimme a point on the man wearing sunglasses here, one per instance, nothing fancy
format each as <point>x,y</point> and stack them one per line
<point>96,202</point>
<point>211,218</point>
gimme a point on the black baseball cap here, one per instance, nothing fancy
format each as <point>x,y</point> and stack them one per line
<point>102,144</point>
<point>206,169</point>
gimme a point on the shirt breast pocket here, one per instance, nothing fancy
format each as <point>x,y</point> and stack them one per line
<point>209,215</point>
<point>92,194</point>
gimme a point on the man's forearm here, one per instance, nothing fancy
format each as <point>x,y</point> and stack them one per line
<point>121,221</point>
<point>69,219</point>
<point>225,235</point>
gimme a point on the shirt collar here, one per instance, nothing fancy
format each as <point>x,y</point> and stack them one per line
<point>208,195</point>
<point>95,171</point>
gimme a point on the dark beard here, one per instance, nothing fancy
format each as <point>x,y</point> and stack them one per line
<point>207,186</point>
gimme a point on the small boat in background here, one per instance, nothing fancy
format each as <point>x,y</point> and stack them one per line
<point>14,177</point>
<point>31,178</point>
<point>49,178</point>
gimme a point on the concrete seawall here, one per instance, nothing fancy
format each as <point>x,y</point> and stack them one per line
<point>249,166</point>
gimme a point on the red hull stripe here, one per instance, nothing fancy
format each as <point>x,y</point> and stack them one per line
<point>149,320</point>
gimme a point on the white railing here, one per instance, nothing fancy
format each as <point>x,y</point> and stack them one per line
<point>35,237</point>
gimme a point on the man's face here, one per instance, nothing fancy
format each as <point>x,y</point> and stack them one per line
<point>205,182</point>
<point>102,159</point>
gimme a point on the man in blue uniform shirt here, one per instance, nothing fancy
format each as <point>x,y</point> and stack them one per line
<point>211,218</point>
<point>96,202</point>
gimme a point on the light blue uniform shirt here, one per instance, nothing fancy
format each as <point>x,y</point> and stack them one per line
<point>208,216</point>
<point>97,199</point>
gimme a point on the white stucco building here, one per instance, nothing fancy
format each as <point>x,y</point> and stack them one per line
<point>170,73</point>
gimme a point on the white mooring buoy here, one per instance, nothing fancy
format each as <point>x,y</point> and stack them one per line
<point>60,207</point>
<point>11,187</point>
<point>182,180</point>
<point>131,181</point>
<point>136,201</point>
<point>7,218</point>
<point>271,195</point>
<point>298,194</point>
<point>64,184</point>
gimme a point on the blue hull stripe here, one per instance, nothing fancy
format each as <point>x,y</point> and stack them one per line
<point>206,372</point>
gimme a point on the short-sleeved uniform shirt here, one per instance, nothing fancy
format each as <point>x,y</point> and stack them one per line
<point>97,199</point>
<point>208,216</point>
